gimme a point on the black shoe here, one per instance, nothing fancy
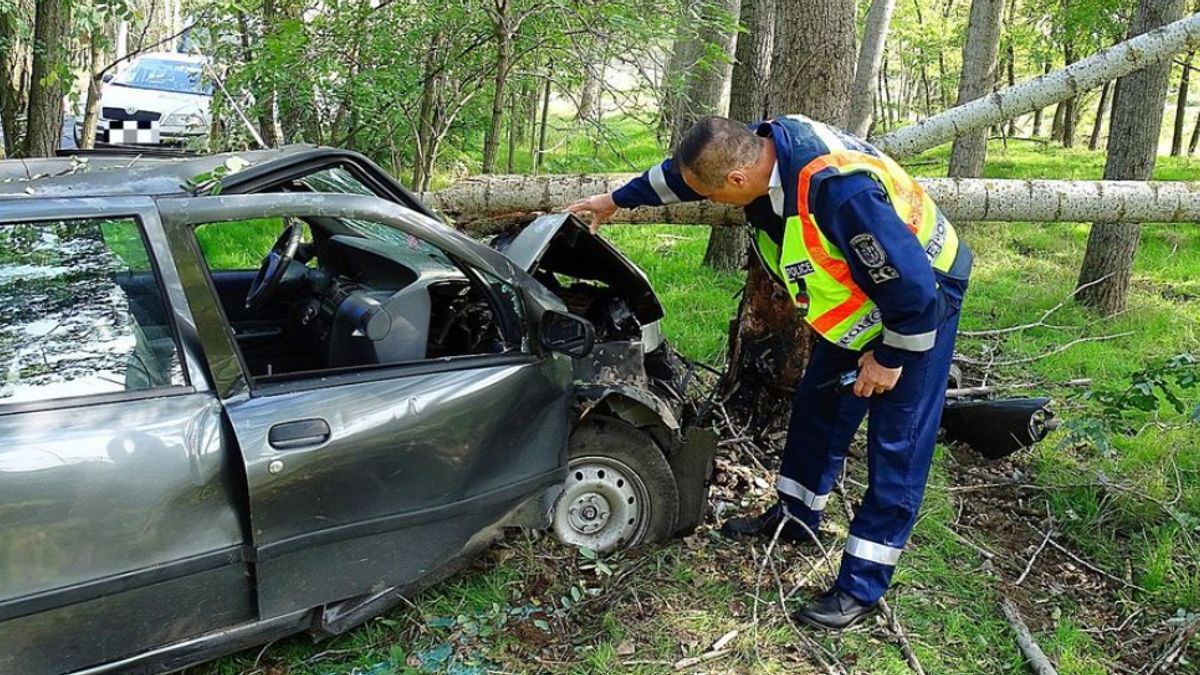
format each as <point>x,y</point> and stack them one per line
<point>764,526</point>
<point>834,610</point>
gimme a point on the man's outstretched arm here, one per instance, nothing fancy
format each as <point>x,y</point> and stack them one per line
<point>661,185</point>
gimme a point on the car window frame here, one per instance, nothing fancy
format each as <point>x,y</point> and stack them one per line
<point>142,213</point>
<point>181,215</point>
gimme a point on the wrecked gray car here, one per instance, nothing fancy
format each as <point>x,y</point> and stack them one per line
<point>197,455</point>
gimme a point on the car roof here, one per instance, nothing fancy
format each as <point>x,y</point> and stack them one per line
<point>158,173</point>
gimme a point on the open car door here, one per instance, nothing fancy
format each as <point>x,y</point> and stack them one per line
<point>368,480</point>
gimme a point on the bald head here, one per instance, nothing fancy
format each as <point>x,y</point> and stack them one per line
<point>715,146</point>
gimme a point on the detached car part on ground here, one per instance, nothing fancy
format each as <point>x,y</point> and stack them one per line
<point>195,459</point>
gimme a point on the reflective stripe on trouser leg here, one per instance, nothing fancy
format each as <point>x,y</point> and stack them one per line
<point>901,433</point>
<point>822,425</point>
<point>872,551</point>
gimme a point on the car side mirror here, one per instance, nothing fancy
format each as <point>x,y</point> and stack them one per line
<point>108,77</point>
<point>567,334</point>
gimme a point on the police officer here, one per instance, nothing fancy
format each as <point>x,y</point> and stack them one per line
<point>880,275</point>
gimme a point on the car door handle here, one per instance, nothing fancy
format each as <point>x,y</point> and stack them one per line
<point>300,434</point>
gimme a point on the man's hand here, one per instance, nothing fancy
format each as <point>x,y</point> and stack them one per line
<point>874,378</point>
<point>601,208</point>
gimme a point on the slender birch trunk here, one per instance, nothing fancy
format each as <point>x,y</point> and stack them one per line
<point>978,79</point>
<point>1181,107</point>
<point>870,58</point>
<point>1101,111</point>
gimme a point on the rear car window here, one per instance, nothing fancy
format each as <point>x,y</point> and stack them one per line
<point>81,312</point>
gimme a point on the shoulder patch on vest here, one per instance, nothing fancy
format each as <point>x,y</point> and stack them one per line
<point>868,250</point>
<point>885,273</point>
<point>798,270</point>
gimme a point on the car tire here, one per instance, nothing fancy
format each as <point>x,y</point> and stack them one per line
<point>619,490</point>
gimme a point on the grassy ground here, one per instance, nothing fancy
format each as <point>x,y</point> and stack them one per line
<point>1122,494</point>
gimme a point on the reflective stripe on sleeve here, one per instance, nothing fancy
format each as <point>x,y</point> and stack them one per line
<point>658,181</point>
<point>920,342</point>
<point>811,499</point>
<point>869,550</point>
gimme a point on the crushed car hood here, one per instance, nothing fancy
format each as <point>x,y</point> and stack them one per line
<point>559,243</point>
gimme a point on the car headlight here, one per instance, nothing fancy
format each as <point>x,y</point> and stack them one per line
<point>184,120</point>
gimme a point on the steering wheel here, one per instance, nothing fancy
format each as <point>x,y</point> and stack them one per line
<point>270,272</point>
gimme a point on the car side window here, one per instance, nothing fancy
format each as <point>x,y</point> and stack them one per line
<point>239,245</point>
<point>81,312</point>
<point>361,295</point>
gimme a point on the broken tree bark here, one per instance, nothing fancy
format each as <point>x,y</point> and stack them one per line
<point>961,199</point>
<point>1108,64</point>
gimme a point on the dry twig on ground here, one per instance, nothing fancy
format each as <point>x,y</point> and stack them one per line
<point>1032,558</point>
<point>1029,647</point>
<point>1040,323</point>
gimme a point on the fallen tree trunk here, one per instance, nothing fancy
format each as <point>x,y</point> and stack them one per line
<point>1082,76</point>
<point>961,199</point>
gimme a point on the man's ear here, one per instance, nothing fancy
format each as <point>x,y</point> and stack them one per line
<point>737,177</point>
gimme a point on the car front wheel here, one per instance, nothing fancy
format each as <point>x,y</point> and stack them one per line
<point>619,491</point>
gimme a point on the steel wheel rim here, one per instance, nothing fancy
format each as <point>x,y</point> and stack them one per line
<point>604,505</point>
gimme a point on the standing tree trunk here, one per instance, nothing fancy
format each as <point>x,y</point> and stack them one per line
<point>728,244</point>
<point>589,92</point>
<point>504,42</point>
<point>425,130</point>
<point>1010,52</point>
<point>703,95</point>
<point>513,125</point>
<point>707,78</point>
<point>1037,114</point>
<point>121,46</point>
<point>1070,115</point>
<point>1181,107</point>
<point>870,58</point>
<point>1195,137</point>
<point>1101,111</point>
<point>91,109</point>
<point>752,68</point>
<point>889,110</point>
<point>14,86</point>
<point>978,76</point>
<point>770,342</point>
<point>923,61</point>
<point>1132,148</point>
<point>49,78</point>
<point>541,148</point>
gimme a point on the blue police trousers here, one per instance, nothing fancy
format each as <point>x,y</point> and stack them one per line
<point>902,427</point>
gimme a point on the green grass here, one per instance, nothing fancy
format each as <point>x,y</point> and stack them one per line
<point>678,599</point>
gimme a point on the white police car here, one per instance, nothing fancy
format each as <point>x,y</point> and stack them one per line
<point>158,99</point>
